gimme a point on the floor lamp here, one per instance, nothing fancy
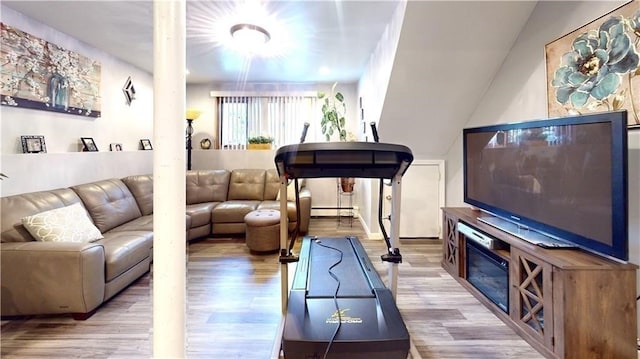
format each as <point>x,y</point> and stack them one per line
<point>191,116</point>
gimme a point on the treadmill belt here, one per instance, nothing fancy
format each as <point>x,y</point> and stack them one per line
<point>370,324</point>
<point>353,281</point>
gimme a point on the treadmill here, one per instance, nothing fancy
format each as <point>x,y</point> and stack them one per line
<point>338,306</point>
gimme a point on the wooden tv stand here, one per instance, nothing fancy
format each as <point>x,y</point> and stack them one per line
<point>566,303</point>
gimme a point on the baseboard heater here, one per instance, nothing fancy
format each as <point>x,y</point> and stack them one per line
<point>332,211</point>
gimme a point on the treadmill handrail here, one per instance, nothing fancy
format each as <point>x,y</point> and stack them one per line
<point>343,159</point>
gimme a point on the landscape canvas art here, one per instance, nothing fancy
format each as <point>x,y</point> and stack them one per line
<point>595,68</point>
<point>37,74</point>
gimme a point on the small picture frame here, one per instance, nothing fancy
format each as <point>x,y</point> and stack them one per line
<point>145,144</point>
<point>115,147</point>
<point>33,144</point>
<point>89,144</point>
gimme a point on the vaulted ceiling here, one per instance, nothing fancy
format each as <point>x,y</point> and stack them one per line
<point>336,35</point>
<point>447,56</point>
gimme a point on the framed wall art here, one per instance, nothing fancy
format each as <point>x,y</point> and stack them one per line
<point>33,144</point>
<point>129,91</point>
<point>115,146</point>
<point>37,74</point>
<point>145,144</point>
<point>596,68</point>
<point>89,145</point>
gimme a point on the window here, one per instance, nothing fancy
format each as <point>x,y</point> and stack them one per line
<point>280,117</point>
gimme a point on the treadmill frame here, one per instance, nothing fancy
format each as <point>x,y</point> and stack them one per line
<point>346,169</point>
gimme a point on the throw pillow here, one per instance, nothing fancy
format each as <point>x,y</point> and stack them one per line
<point>66,224</point>
<point>291,190</point>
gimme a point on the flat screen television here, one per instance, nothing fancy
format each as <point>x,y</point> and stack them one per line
<point>564,178</point>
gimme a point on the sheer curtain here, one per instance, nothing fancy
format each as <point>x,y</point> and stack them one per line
<point>280,117</point>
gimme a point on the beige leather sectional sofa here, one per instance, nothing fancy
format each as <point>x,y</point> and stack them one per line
<point>42,277</point>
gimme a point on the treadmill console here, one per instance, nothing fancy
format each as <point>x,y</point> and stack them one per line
<point>343,159</point>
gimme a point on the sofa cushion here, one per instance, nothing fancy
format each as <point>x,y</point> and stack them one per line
<point>271,185</point>
<point>232,211</point>
<point>275,205</point>
<point>141,186</point>
<point>247,184</point>
<point>207,186</point>
<point>144,223</point>
<point>109,202</point>
<point>123,250</point>
<point>291,190</point>
<point>66,224</point>
<point>200,213</point>
<point>187,221</point>
<point>16,207</point>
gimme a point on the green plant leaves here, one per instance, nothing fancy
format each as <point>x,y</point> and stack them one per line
<point>260,139</point>
<point>333,110</point>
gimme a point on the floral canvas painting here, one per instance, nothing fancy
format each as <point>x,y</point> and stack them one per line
<point>595,68</point>
<point>37,74</point>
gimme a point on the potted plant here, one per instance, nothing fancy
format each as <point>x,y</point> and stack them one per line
<point>333,110</point>
<point>260,143</point>
<point>333,122</point>
<point>347,183</point>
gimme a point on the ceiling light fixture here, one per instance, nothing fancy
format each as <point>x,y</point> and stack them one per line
<point>249,35</point>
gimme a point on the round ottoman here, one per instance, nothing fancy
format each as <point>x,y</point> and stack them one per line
<point>263,230</point>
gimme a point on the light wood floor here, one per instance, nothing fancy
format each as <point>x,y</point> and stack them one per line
<point>233,310</point>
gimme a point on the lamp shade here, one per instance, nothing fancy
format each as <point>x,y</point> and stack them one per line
<point>192,114</point>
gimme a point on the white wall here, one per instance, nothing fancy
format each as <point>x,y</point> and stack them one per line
<point>233,159</point>
<point>205,126</point>
<point>36,172</point>
<point>373,84</point>
<point>373,89</point>
<point>518,93</point>
<point>119,122</point>
<point>62,165</point>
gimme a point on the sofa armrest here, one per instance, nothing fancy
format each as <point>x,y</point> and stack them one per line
<point>305,209</point>
<point>51,277</point>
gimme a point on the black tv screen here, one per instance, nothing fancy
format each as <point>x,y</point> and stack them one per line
<point>563,177</point>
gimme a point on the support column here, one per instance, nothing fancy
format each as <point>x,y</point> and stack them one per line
<point>169,244</point>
